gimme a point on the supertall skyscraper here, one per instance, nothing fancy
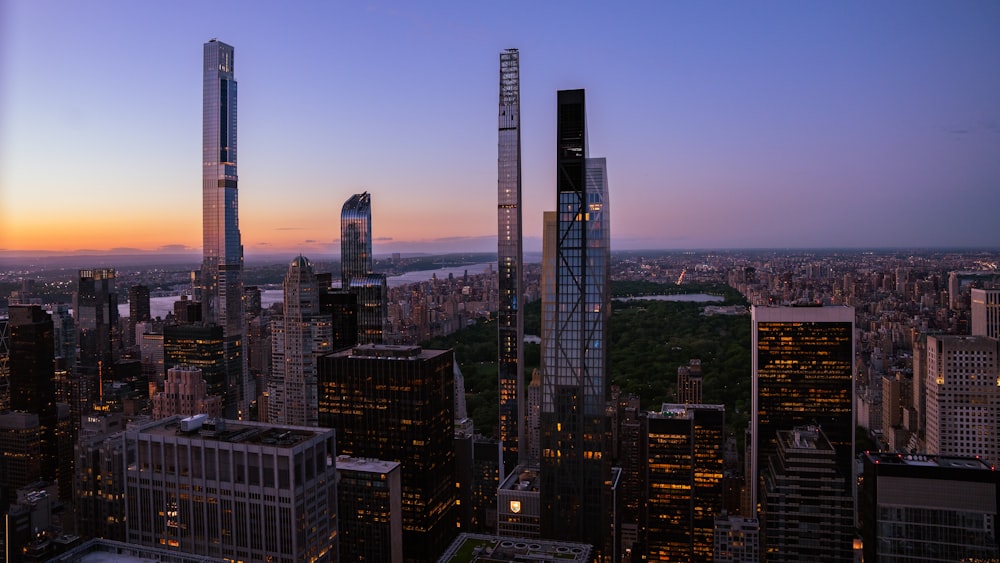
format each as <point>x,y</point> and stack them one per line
<point>803,374</point>
<point>222,265</point>
<point>509,261</point>
<point>356,269</point>
<point>575,389</point>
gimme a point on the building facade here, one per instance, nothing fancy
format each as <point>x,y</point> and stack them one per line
<point>952,519</point>
<point>222,247</point>
<point>370,506</point>
<point>683,477</point>
<point>185,393</point>
<point>986,312</point>
<point>803,374</point>
<point>297,339</point>
<point>357,272</point>
<point>396,403</point>
<point>575,389</point>
<point>808,515</point>
<point>963,396</point>
<point>510,321</point>
<point>238,490</point>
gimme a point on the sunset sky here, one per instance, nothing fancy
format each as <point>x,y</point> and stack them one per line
<point>724,124</point>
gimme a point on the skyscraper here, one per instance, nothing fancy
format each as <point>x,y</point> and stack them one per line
<point>222,265</point>
<point>986,312</point>
<point>509,260</point>
<point>138,310</point>
<point>396,403</point>
<point>963,396</point>
<point>356,269</point>
<point>803,374</point>
<point>684,472</point>
<point>95,308</point>
<point>297,338</point>
<point>575,388</point>
<point>355,238</point>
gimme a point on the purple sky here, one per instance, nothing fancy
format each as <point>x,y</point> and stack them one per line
<point>725,124</point>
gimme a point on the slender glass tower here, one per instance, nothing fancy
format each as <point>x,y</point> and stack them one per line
<point>355,238</point>
<point>575,389</point>
<point>357,271</point>
<point>222,265</point>
<point>509,259</point>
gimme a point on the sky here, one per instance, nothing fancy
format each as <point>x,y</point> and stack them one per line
<point>725,124</point>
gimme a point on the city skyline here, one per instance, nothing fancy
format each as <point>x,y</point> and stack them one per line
<point>730,126</point>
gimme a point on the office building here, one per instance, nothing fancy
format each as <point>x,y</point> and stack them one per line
<point>689,383</point>
<point>986,312</point>
<point>370,506</point>
<point>510,321</point>
<point>357,271</point>
<point>138,311</point>
<point>297,339</point>
<point>33,383</point>
<point>737,540</point>
<point>808,514</point>
<point>519,508</point>
<point>99,486</point>
<point>244,491</point>
<point>803,374</point>
<point>199,346</point>
<point>963,396</point>
<point>396,403</point>
<point>953,518</point>
<point>95,308</point>
<point>185,393</point>
<point>683,469</point>
<point>342,307</point>
<point>222,263</point>
<point>22,445</point>
<point>575,471</point>
<point>371,292</point>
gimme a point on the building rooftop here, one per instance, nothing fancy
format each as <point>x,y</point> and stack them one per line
<point>677,410</point>
<point>521,479</point>
<point>232,431</point>
<point>348,463</point>
<point>107,551</point>
<point>469,548</point>
<point>389,351</point>
<point>928,460</point>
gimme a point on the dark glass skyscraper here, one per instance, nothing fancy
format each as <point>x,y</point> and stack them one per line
<point>397,403</point>
<point>509,259</point>
<point>803,374</point>
<point>356,268</point>
<point>222,265</point>
<point>355,238</point>
<point>575,389</point>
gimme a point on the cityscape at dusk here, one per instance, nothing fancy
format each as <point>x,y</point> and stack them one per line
<point>725,125</point>
<point>739,302</point>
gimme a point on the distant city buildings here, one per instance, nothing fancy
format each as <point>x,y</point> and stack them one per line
<point>986,312</point>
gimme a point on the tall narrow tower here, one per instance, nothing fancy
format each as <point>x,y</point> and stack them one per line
<point>575,390</point>
<point>222,264</point>
<point>357,270</point>
<point>509,259</point>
